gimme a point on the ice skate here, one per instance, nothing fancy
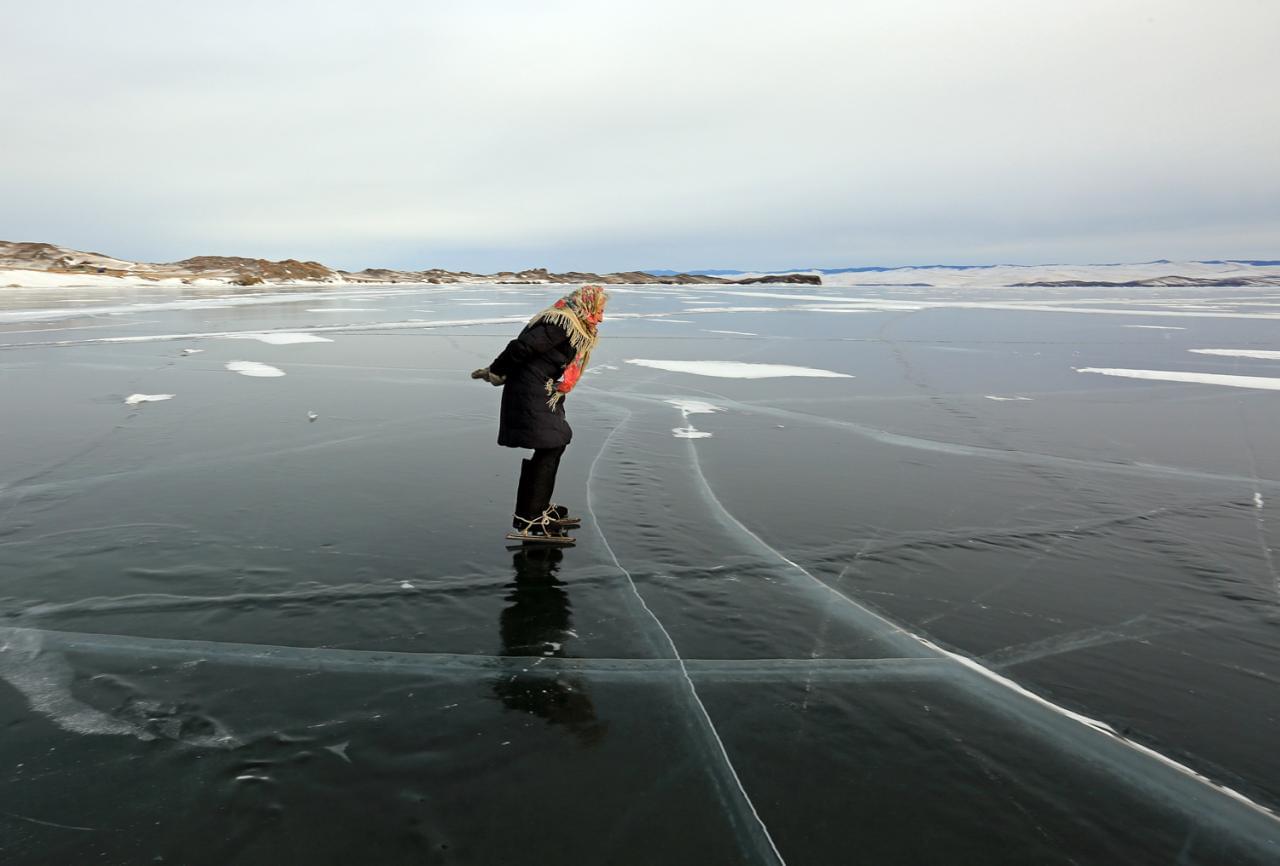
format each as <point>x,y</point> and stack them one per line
<point>538,530</point>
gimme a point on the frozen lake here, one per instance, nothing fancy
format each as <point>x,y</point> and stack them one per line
<point>898,575</point>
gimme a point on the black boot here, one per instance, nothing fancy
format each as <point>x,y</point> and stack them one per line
<point>545,485</point>
<point>523,512</point>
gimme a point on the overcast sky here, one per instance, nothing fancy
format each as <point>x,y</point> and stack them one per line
<point>603,135</point>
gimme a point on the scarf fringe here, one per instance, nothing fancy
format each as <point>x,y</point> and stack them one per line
<point>580,337</point>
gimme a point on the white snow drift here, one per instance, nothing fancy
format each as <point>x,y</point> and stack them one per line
<point>280,339</point>
<point>254,368</point>
<point>1262,382</point>
<point>692,407</point>
<point>736,369</point>
<point>135,399</point>
<point>1263,354</point>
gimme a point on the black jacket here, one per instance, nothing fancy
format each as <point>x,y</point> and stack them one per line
<point>539,354</point>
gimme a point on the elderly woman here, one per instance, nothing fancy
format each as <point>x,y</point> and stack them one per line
<point>537,369</point>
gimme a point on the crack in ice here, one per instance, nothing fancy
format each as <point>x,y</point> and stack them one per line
<point>702,712</point>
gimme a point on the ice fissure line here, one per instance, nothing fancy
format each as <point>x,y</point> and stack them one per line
<point>772,854</point>
<point>328,658</point>
<point>985,673</point>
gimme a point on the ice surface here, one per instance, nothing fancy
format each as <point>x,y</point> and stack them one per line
<point>1058,620</point>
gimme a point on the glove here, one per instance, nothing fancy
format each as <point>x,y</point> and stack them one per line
<point>492,378</point>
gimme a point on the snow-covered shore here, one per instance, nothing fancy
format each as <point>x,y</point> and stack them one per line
<point>994,276</point>
<point>24,278</point>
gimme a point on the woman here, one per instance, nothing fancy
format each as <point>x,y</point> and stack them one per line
<point>537,369</point>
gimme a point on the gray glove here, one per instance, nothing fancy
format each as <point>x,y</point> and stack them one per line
<point>492,378</point>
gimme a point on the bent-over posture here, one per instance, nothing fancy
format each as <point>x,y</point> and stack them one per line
<point>536,370</point>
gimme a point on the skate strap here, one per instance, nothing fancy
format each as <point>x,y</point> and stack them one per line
<point>544,520</point>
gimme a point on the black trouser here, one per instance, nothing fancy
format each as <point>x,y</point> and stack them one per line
<point>537,482</point>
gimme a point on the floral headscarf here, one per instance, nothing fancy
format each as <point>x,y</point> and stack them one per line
<point>580,313</point>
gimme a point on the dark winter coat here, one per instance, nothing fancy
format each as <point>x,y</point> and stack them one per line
<point>539,354</point>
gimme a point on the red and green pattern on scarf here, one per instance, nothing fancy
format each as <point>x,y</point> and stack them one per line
<point>580,313</point>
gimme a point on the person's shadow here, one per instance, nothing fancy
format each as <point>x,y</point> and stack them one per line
<point>537,622</point>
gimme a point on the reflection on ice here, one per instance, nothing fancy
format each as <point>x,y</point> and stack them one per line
<point>538,622</point>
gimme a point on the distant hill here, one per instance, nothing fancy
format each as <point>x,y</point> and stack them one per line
<point>42,264</point>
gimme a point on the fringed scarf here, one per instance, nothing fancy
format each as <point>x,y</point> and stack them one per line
<point>579,313</point>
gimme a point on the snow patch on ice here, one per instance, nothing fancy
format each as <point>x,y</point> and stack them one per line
<point>1261,382</point>
<point>736,369</point>
<point>346,310</point>
<point>692,407</point>
<point>735,333</point>
<point>135,399</point>
<point>1257,500</point>
<point>1156,327</point>
<point>254,368</point>
<point>1000,399</point>
<point>281,339</point>
<point>813,308</point>
<point>695,407</point>
<point>192,351</point>
<point>340,750</point>
<point>733,310</point>
<point>1263,354</point>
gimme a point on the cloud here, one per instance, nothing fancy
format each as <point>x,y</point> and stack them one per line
<point>607,135</point>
